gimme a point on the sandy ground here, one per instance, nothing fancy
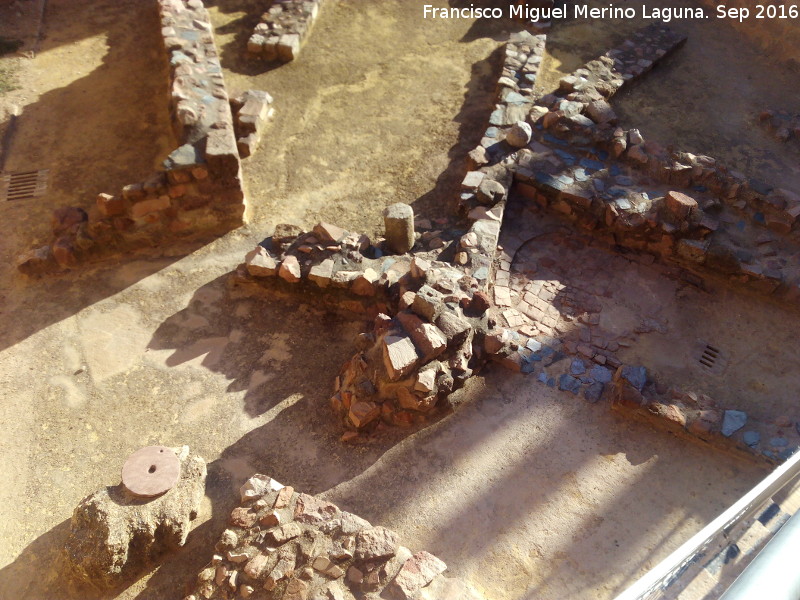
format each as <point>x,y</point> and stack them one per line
<point>527,492</point>
<point>362,119</point>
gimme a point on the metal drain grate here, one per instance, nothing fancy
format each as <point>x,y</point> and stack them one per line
<point>710,358</point>
<point>23,186</point>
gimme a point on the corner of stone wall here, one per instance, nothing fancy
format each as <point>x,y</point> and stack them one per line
<point>200,191</point>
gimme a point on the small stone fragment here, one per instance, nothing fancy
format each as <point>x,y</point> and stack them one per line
<point>364,284</point>
<point>290,269</point>
<point>328,233</point>
<point>260,263</point>
<point>376,543</point>
<point>399,356</point>
<point>490,192</point>
<point>519,135</point>
<point>284,533</point>
<point>363,413</point>
<point>416,573</point>
<point>399,223</point>
<point>313,511</point>
<point>733,421</point>
<point>322,273</point>
<point>680,205</point>
<point>284,497</point>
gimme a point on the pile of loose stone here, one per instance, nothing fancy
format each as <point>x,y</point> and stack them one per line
<point>285,545</point>
<point>283,29</point>
<point>200,189</point>
<point>783,125</point>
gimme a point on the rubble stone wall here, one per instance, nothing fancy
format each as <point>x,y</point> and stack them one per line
<point>284,545</point>
<point>198,192</point>
<point>678,221</point>
<point>282,30</point>
<point>697,416</point>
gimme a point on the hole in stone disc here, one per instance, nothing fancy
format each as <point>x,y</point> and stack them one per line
<point>152,469</point>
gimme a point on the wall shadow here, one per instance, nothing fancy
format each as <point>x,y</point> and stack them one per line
<point>473,118</point>
<point>513,449</point>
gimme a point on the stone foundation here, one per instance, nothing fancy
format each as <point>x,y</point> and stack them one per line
<point>199,193</point>
<point>697,416</point>
<point>575,170</point>
<point>285,545</point>
<point>283,30</point>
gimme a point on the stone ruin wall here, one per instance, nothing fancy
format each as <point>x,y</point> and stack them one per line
<point>677,227</point>
<point>200,190</point>
<point>433,324</point>
<point>281,544</point>
<point>282,30</point>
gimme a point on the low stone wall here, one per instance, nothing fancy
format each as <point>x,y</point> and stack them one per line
<point>484,189</point>
<point>200,191</point>
<point>427,318</point>
<point>283,30</point>
<point>681,221</point>
<point>699,417</point>
<point>285,545</point>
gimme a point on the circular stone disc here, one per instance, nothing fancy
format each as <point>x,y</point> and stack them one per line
<point>151,471</point>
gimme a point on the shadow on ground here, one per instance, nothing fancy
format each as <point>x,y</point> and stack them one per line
<point>529,493</point>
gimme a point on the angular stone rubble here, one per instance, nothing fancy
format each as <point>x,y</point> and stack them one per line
<point>429,318</point>
<point>251,112</point>
<point>115,535</point>
<point>284,545</point>
<point>283,30</point>
<point>200,190</point>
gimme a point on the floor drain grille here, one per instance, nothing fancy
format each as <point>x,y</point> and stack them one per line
<point>710,358</point>
<point>23,186</point>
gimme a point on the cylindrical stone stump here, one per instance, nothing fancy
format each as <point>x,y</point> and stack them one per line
<point>399,222</point>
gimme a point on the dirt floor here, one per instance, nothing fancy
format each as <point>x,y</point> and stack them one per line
<point>525,491</point>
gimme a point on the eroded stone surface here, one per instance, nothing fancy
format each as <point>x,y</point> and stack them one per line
<point>115,535</point>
